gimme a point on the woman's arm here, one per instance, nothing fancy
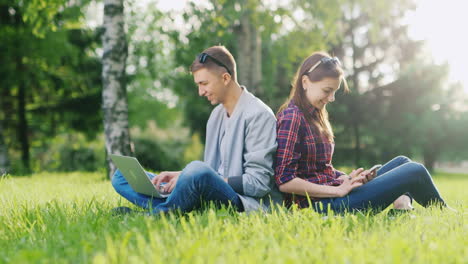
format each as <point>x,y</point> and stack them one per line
<point>303,187</point>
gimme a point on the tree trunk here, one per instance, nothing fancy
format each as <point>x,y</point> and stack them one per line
<point>4,161</point>
<point>243,36</point>
<point>23,126</point>
<point>356,116</point>
<point>357,149</point>
<point>114,98</point>
<point>6,107</point>
<point>256,46</point>
<point>430,158</point>
<point>249,58</point>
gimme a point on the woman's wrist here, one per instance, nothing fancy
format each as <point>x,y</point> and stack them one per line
<point>339,192</point>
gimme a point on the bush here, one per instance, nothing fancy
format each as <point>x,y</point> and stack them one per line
<point>153,156</point>
<point>165,149</point>
<point>157,150</point>
<point>69,152</point>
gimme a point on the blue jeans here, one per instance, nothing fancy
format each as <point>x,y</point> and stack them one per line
<point>198,184</point>
<point>395,178</point>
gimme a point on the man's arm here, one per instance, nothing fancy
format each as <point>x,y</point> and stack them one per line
<point>260,148</point>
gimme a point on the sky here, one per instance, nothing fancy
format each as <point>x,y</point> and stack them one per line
<point>442,24</point>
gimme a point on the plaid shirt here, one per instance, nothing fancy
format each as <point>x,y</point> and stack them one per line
<point>303,153</point>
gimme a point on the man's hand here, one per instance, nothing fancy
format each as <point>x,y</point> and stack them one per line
<point>170,177</point>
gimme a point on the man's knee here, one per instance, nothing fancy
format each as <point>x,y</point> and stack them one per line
<point>117,179</point>
<point>197,171</point>
<point>196,167</point>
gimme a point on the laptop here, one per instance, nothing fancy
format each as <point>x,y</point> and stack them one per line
<point>136,176</point>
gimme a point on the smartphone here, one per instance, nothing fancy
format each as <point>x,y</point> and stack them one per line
<point>375,168</point>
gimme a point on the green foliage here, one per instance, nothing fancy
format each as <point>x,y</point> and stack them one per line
<point>149,68</point>
<point>52,76</point>
<point>170,148</point>
<point>69,152</point>
<point>65,218</point>
<point>44,16</point>
<point>54,59</point>
<point>153,156</point>
<point>424,109</point>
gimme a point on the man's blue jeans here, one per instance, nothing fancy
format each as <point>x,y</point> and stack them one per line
<point>198,184</point>
<point>397,177</point>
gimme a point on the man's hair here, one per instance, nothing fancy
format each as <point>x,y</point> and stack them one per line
<point>221,54</point>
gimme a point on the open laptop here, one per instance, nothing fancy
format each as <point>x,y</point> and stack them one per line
<point>136,176</point>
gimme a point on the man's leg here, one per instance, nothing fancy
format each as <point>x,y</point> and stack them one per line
<point>198,183</point>
<point>123,188</point>
<point>379,193</point>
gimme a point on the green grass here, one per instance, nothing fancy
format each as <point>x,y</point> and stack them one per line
<point>64,218</point>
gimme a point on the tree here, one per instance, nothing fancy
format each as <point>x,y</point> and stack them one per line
<point>249,44</point>
<point>375,42</point>
<point>114,97</point>
<point>421,116</point>
<point>48,66</point>
<point>245,28</point>
<point>4,160</point>
<point>150,68</point>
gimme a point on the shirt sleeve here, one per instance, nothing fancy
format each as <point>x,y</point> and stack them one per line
<point>338,173</point>
<point>259,153</point>
<point>288,153</point>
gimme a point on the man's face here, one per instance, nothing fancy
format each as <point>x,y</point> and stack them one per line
<point>210,84</point>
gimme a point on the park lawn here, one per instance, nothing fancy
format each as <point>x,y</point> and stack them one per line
<point>64,218</point>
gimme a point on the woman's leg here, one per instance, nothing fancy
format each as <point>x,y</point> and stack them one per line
<point>123,188</point>
<point>198,184</point>
<point>392,164</point>
<point>379,193</point>
<point>403,202</point>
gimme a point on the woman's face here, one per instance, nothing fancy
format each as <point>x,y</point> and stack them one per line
<point>322,92</point>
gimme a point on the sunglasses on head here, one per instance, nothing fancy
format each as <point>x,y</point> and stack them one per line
<point>326,61</point>
<point>204,56</point>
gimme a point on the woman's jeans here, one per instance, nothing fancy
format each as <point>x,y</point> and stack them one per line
<point>397,177</point>
<point>197,185</point>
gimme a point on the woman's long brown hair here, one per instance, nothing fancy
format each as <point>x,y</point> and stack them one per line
<point>318,119</point>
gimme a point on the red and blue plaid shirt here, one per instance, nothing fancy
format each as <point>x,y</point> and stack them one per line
<point>303,153</point>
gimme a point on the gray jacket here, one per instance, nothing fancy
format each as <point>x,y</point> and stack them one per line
<point>250,147</point>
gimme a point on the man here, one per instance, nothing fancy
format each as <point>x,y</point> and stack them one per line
<point>240,146</point>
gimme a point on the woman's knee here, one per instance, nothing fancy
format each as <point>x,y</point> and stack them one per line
<point>403,159</point>
<point>416,170</point>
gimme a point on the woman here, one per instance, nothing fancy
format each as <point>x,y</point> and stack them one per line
<point>305,149</point>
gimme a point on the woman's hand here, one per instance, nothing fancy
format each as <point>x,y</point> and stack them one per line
<point>351,181</point>
<point>368,175</point>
